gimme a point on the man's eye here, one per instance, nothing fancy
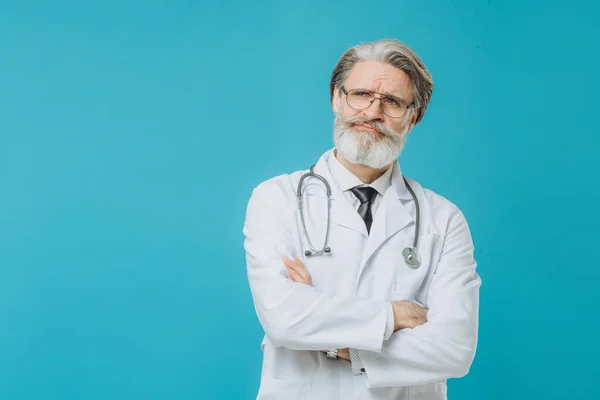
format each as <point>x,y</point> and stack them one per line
<point>391,102</point>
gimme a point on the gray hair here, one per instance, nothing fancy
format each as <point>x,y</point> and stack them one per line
<point>394,53</point>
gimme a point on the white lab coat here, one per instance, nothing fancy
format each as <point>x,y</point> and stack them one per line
<point>346,307</point>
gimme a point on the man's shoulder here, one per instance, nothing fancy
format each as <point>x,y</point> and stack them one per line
<point>439,207</point>
<point>280,187</point>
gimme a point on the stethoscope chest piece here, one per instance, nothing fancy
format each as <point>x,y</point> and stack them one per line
<point>411,257</point>
<point>326,250</point>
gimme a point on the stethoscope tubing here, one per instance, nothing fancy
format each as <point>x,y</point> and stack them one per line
<point>408,253</point>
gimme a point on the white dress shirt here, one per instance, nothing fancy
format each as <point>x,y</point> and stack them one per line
<point>346,180</point>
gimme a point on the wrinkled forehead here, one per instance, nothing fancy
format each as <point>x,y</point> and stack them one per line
<point>379,77</point>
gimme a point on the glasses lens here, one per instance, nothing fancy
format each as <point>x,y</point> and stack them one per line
<point>360,99</point>
<point>394,108</point>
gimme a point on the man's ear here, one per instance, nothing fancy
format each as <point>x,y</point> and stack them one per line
<point>415,116</point>
<point>335,103</point>
<point>413,120</point>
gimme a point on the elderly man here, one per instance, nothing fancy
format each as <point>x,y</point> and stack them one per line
<point>364,281</point>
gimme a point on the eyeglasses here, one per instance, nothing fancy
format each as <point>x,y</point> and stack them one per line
<point>361,99</point>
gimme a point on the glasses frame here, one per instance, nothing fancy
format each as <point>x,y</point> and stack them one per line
<point>377,98</point>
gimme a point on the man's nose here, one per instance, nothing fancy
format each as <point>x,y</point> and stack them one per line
<point>374,112</point>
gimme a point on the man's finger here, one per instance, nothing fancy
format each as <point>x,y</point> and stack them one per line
<point>294,262</point>
<point>290,263</point>
<point>298,268</point>
<point>297,261</point>
<point>295,276</point>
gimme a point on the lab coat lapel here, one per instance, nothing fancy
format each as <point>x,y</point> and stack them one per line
<point>391,217</point>
<point>342,211</point>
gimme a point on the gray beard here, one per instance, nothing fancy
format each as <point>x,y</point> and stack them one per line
<point>361,147</point>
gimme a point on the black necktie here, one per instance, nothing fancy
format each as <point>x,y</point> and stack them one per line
<point>367,196</point>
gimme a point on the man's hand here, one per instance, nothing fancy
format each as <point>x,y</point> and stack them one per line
<point>408,315</point>
<point>299,274</point>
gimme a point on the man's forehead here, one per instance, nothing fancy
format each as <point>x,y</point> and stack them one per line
<point>379,77</point>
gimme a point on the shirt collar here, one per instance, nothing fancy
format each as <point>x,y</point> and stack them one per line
<point>346,180</point>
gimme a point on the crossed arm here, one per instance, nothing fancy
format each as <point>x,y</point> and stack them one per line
<point>299,317</point>
<point>406,314</point>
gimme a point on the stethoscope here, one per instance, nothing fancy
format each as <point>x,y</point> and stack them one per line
<point>410,254</point>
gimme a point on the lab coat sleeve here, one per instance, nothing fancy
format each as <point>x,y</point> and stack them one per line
<point>357,366</point>
<point>295,315</point>
<point>443,347</point>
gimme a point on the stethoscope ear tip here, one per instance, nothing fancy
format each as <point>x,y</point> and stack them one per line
<point>309,253</point>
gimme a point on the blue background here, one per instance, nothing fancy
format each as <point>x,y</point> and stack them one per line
<point>132,133</point>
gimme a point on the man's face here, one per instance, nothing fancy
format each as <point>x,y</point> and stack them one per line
<point>369,136</point>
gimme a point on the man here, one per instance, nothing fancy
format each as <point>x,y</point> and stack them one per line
<point>349,310</point>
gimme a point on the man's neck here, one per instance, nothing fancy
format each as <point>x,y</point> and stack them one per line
<point>365,173</point>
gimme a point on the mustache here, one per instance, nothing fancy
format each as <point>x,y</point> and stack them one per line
<point>379,126</point>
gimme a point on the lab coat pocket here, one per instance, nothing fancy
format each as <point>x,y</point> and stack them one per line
<point>412,284</point>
